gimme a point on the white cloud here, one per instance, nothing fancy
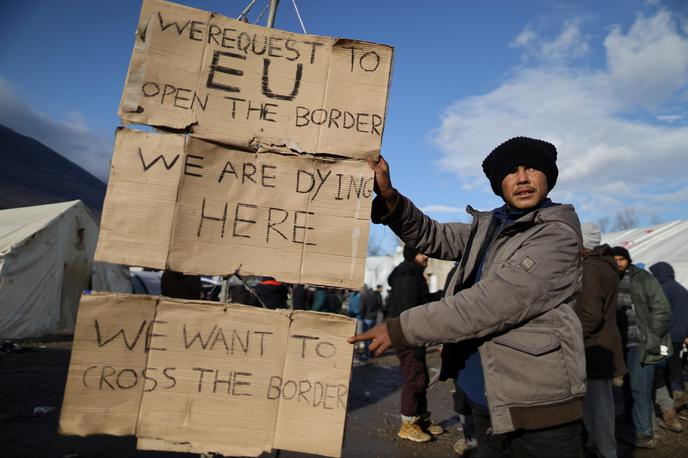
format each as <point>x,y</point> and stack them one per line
<point>71,138</point>
<point>648,64</point>
<point>441,209</point>
<point>524,38</point>
<point>680,195</point>
<point>570,43</point>
<point>609,156</point>
<point>669,118</point>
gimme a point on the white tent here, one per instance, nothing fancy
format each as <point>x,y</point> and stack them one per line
<point>106,276</point>
<point>45,262</point>
<point>663,242</point>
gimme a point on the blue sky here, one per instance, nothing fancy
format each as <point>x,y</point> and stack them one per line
<point>605,81</point>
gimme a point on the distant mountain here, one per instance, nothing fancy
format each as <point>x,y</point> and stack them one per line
<point>33,174</point>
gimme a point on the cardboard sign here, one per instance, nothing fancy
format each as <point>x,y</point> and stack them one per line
<point>182,203</point>
<point>207,377</point>
<point>256,88</point>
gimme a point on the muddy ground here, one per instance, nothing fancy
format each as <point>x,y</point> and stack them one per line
<point>33,375</point>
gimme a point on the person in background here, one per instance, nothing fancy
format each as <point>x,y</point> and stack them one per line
<point>242,289</point>
<point>181,286</point>
<point>353,310</point>
<point>672,374</point>
<point>410,289</point>
<point>596,308</point>
<point>507,323</point>
<point>272,293</point>
<point>333,300</point>
<point>643,317</point>
<point>354,305</point>
<point>369,307</point>
<point>381,314</point>
<point>298,297</point>
<point>319,300</point>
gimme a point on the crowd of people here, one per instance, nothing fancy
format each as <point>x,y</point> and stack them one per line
<point>548,335</point>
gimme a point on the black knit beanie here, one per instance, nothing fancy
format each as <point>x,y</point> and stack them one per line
<point>521,151</point>
<point>621,251</point>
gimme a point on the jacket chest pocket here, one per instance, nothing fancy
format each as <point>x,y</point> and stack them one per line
<point>533,366</point>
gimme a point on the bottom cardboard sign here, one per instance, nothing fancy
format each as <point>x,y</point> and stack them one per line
<point>207,377</point>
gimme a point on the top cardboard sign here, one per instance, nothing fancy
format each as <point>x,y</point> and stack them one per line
<point>256,88</point>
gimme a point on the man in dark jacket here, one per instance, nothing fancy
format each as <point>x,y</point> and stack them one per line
<point>677,296</point>
<point>507,321</point>
<point>596,308</point>
<point>272,293</point>
<point>370,305</point>
<point>643,318</point>
<point>180,285</point>
<point>410,289</point>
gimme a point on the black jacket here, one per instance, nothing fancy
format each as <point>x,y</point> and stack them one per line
<point>370,303</point>
<point>409,288</point>
<point>272,293</point>
<point>677,296</point>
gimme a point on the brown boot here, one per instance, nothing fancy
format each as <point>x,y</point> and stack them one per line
<point>680,399</point>
<point>670,421</point>
<point>645,441</point>
<point>411,430</point>
<point>429,426</point>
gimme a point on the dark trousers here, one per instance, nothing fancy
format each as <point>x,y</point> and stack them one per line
<point>599,418</point>
<point>414,372</point>
<point>562,441</point>
<point>673,371</point>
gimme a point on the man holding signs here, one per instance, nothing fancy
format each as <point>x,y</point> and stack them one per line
<point>510,332</point>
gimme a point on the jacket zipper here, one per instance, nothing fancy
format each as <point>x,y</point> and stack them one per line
<point>464,259</point>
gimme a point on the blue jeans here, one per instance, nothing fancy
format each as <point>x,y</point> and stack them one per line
<point>641,377</point>
<point>598,417</point>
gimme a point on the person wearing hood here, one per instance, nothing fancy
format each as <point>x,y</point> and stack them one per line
<point>677,296</point>
<point>596,308</point>
<point>643,318</point>
<point>410,289</point>
<point>507,323</point>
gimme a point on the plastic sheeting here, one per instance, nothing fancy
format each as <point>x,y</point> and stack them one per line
<point>663,242</point>
<point>45,263</point>
<point>106,276</point>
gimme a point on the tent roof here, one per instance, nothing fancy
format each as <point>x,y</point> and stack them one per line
<point>16,224</point>
<point>663,242</point>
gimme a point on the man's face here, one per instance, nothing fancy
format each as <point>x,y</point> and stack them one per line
<point>621,263</point>
<point>421,260</point>
<point>525,187</point>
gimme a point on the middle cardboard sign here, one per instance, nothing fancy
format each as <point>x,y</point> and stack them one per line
<point>182,203</point>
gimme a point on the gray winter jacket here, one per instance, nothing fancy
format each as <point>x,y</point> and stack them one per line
<point>533,355</point>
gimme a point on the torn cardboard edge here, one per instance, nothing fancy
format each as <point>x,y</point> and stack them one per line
<point>314,351</point>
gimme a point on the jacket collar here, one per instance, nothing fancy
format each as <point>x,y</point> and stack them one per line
<point>564,213</point>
